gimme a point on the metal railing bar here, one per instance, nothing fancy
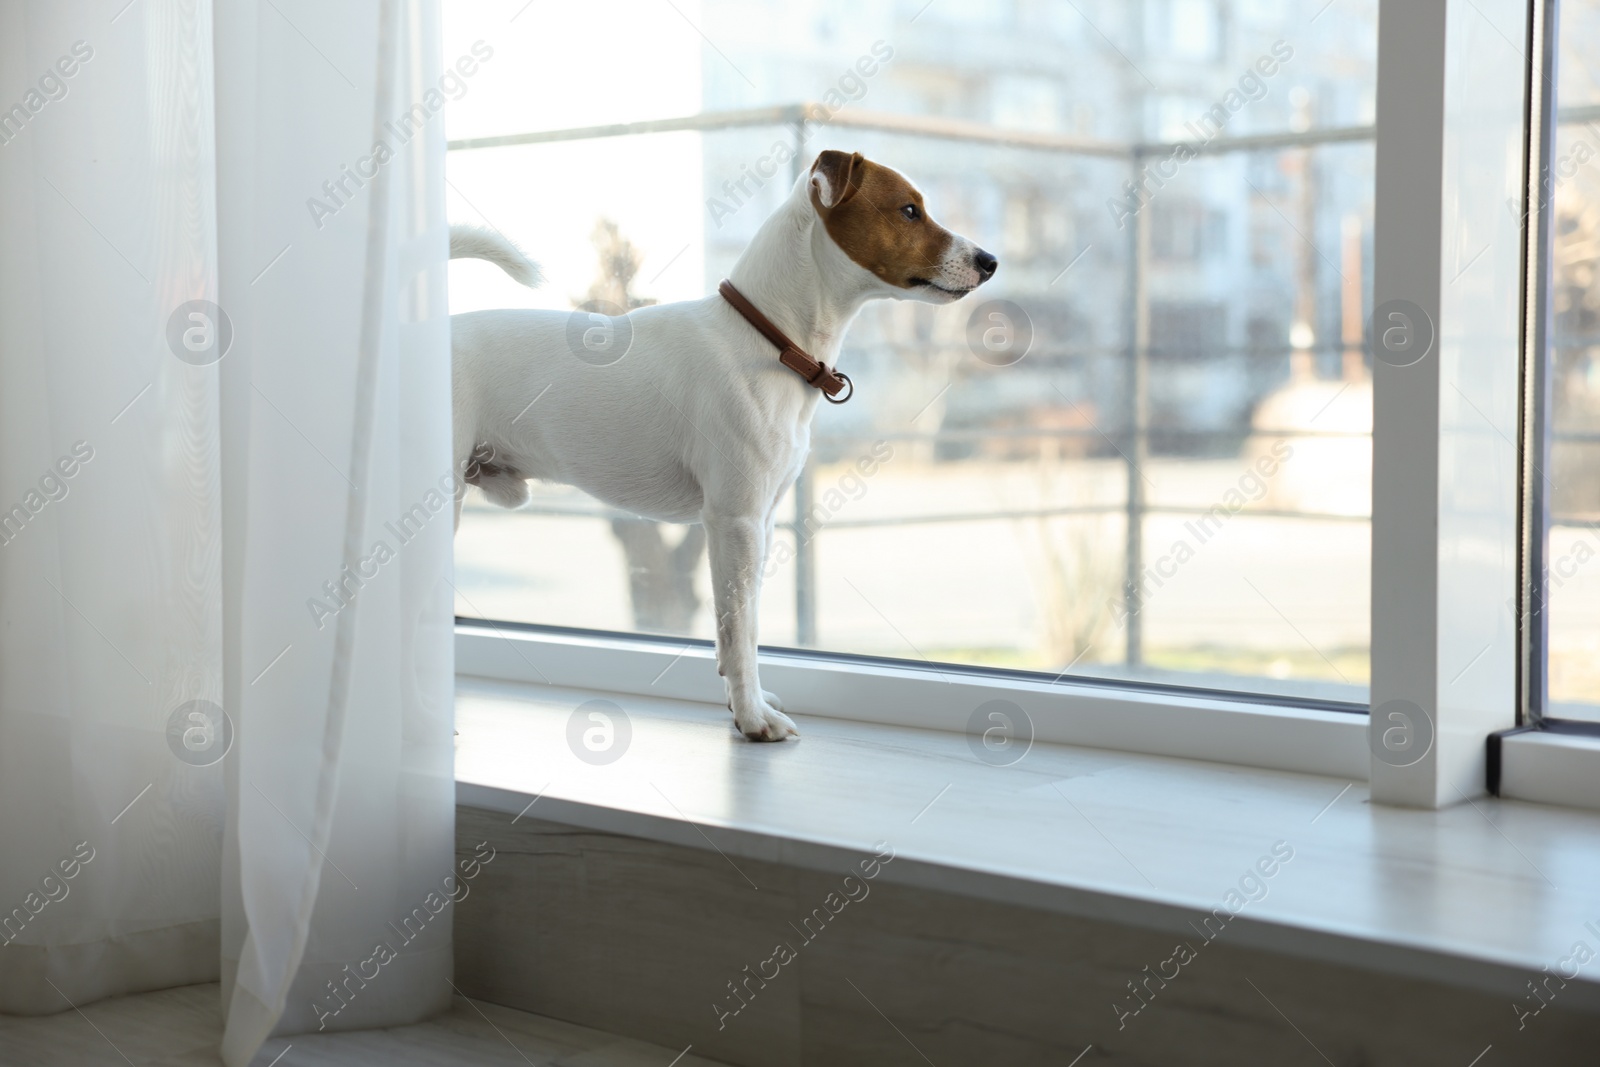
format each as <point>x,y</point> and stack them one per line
<point>1568,521</point>
<point>707,120</point>
<point>1261,141</point>
<point>1119,508</point>
<point>1116,508</point>
<point>1065,357</point>
<point>835,437</point>
<point>1059,350</point>
<point>1025,433</point>
<point>950,129</point>
<point>1574,116</point>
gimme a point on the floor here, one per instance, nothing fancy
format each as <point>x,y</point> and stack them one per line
<point>181,1028</point>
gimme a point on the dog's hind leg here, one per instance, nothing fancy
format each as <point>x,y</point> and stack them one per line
<point>461,452</point>
<point>501,483</point>
<point>736,545</point>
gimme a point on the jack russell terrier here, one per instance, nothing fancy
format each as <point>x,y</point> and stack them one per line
<point>707,414</point>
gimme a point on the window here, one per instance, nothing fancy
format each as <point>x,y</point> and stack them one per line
<point>1571,575</point>
<point>1184,29</point>
<point>1170,484</point>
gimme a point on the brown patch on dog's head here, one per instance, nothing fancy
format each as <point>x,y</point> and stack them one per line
<point>878,219</point>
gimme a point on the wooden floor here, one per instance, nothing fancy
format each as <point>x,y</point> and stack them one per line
<point>181,1028</point>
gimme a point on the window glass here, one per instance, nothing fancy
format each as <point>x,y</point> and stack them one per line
<point>1141,452</point>
<point>1573,576</point>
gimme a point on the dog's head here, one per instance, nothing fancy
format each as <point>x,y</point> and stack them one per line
<point>878,219</point>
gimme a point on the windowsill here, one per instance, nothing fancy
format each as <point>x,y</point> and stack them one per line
<point>1555,766</point>
<point>1478,895</point>
<point>1257,731</point>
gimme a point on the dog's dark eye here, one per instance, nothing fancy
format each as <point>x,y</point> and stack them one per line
<point>910,211</point>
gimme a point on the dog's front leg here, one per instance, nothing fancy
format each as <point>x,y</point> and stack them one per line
<point>736,545</point>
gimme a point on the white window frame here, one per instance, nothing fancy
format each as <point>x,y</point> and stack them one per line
<point>1197,724</point>
<point>1451,670</point>
<point>1541,758</point>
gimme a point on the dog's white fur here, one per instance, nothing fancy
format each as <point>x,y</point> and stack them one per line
<point>698,421</point>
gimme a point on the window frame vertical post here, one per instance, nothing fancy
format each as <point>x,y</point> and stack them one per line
<point>1446,467</point>
<point>1532,608</point>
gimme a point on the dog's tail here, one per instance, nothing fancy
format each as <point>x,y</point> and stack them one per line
<point>472,242</point>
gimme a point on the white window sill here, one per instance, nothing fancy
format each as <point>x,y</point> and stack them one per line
<point>1480,895</point>
<point>1190,724</point>
<point>1558,766</point>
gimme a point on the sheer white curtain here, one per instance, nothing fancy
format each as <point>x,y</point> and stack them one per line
<point>110,478</point>
<point>210,546</point>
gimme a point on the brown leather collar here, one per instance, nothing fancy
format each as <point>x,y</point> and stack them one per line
<point>791,355</point>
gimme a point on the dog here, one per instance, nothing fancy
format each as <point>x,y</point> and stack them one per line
<point>698,420</point>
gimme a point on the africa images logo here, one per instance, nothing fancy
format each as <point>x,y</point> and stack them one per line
<point>338,191</point>
<point>51,87</point>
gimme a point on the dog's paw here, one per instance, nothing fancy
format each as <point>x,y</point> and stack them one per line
<point>765,723</point>
<point>772,698</point>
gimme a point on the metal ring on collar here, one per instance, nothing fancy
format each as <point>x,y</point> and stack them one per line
<point>849,391</point>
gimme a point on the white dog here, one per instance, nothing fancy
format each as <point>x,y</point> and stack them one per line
<point>684,412</point>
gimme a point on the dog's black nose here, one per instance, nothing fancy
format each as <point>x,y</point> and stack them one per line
<point>985,263</point>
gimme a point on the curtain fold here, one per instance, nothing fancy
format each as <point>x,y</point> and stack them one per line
<point>226,651</point>
<point>110,546</point>
<point>345,367</point>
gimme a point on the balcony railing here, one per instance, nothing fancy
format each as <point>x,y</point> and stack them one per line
<point>1131,437</point>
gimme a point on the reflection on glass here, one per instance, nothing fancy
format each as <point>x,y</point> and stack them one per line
<point>1143,451</point>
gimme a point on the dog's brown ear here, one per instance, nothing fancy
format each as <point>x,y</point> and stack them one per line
<point>836,177</point>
